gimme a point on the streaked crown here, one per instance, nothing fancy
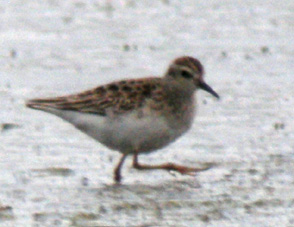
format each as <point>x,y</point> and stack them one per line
<point>189,72</point>
<point>190,63</point>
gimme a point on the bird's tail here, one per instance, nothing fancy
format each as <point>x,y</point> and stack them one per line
<point>46,103</point>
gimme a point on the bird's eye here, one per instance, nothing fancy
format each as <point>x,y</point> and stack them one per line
<point>186,74</point>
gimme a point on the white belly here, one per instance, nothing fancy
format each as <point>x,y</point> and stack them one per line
<point>126,133</point>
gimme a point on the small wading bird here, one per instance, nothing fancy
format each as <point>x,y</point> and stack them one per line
<point>136,115</point>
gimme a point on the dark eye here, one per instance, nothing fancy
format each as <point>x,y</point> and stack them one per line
<point>186,74</point>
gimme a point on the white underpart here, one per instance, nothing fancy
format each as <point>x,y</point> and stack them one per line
<point>126,133</point>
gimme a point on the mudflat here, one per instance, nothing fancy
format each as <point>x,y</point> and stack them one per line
<point>53,175</point>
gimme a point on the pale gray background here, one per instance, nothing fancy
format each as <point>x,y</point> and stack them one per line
<point>53,175</point>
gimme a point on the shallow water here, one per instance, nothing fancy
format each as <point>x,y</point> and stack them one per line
<point>53,175</point>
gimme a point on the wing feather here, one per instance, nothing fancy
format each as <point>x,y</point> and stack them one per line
<point>120,97</point>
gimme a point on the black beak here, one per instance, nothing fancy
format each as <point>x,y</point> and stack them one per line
<point>204,86</point>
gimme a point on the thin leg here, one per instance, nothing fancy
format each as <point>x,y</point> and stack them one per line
<point>117,175</point>
<point>168,166</point>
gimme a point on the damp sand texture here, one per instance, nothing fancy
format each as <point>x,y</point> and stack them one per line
<point>54,175</point>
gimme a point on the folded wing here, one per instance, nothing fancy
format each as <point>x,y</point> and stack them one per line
<point>120,97</point>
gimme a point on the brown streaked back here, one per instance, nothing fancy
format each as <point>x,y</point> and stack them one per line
<point>122,96</point>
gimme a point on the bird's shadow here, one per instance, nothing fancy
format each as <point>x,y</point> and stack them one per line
<point>160,189</point>
<point>157,186</point>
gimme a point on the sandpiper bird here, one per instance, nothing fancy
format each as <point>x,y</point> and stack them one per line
<point>136,116</point>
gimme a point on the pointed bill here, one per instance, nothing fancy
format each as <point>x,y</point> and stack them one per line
<point>204,86</point>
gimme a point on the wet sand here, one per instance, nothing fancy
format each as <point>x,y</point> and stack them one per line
<point>53,175</point>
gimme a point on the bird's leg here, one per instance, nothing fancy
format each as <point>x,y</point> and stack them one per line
<point>117,175</point>
<point>167,166</point>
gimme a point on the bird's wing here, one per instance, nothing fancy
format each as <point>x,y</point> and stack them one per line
<point>119,97</point>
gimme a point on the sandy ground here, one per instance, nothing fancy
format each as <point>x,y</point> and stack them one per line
<point>53,175</point>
